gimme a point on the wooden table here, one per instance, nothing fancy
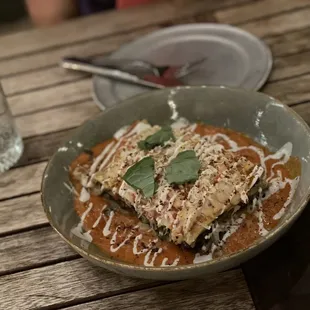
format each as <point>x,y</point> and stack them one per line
<point>38,270</point>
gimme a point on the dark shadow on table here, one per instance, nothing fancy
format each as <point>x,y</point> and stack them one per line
<point>279,278</point>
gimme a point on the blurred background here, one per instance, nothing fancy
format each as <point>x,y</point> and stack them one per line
<point>13,16</point>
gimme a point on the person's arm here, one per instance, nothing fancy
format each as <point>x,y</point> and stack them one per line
<point>48,12</point>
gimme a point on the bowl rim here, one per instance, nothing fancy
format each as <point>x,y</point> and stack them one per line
<point>274,233</point>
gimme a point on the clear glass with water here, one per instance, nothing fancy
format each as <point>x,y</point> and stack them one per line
<point>11,144</point>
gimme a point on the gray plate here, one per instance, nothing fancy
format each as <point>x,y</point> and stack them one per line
<point>234,58</point>
<point>263,118</point>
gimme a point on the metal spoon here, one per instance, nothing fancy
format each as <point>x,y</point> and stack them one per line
<point>130,66</point>
<point>115,74</point>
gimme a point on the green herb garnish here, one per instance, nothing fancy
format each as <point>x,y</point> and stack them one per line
<point>141,176</point>
<point>184,168</point>
<point>158,138</point>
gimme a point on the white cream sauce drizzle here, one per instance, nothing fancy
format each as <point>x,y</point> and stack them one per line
<point>106,230</point>
<point>174,263</point>
<point>275,184</point>
<point>121,132</point>
<point>108,152</point>
<point>84,195</point>
<point>113,241</point>
<point>135,246</point>
<point>99,217</point>
<point>172,105</point>
<point>293,185</point>
<point>233,227</point>
<point>85,237</point>
<point>150,262</point>
<point>99,158</point>
<point>150,256</point>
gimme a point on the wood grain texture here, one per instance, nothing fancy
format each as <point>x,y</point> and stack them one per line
<point>290,91</point>
<point>114,22</point>
<point>51,97</point>
<point>21,213</point>
<point>304,111</point>
<point>31,87</point>
<point>87,48</point>
<point>56,119</point>
<point>275,25</point>
<point>290,66</point>
<point>38,79</point>
<point>21,181</point>
<point>258,10</point>
<point>31,249</point>
<point>208,294</point>
<point>60,284</point>
<point>66,282</point>
<point>290,43</point>
<point>62,117</point>
<point>40,148</point>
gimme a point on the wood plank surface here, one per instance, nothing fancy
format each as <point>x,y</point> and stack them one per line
<point>20,213</point>
<point>64,117</point>
<point>32,249</point>
<point>52,97</point>
<point>258,10</point>
<point>207,294</point>
<point>42,78</point>
<point>41,148</point>
<point>115,22</point>
<point>290,66</point>
<point>290,91</point>
<point>56,119</point>
<point>74,281</point>
<point>56,76</point>
<point>60,284</point>
<point>69,86</point>
<point>278,24</point>
<point>86,48</point>
<point>290,43</point>
<point>80,90</point>
<point>21,181</point>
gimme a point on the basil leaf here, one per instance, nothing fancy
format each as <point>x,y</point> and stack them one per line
<point>158,138</point>
<point>184,168</point>
<point>141,176</point>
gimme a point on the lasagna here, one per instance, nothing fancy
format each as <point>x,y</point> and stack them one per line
<point>175,180</point>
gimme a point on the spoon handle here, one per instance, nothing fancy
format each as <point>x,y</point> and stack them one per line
<point>110,73</point>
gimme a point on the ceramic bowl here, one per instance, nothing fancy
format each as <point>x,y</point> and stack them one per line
<point>257,115</point>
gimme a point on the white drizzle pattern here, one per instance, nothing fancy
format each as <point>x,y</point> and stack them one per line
<point>174,263</point>
<point>276,183</point>
<point>99,217</point>
<point>78,231</point>
<point>113,241</point>
<point>106,230</point>
<point>150,263</point>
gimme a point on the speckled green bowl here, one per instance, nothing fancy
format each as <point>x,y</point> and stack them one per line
<point>259,116</point>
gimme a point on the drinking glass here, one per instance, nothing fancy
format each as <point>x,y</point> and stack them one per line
<point>11,144</point>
